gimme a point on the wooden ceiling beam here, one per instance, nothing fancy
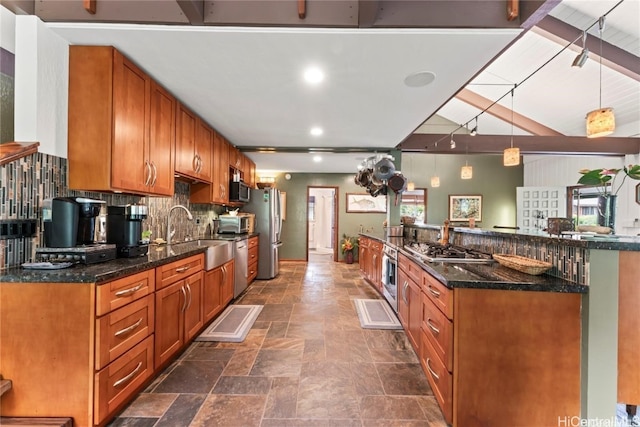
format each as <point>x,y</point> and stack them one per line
<point>495,144</point>
<point>193,10</point>
<point>612,56</point>
<point>504,114</point>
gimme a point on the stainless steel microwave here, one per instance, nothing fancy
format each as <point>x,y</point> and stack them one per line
<point>239,191</point>
<point>233,224</point>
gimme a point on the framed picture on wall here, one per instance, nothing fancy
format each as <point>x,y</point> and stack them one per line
<point>365,203</point>
<point>463,207</point>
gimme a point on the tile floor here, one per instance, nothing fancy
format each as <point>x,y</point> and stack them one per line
<point>306,362</point>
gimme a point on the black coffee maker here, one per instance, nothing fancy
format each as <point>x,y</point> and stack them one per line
<point>124,228</point>
<point>70,221</point>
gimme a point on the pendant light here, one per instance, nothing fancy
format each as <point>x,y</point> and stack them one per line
<point>467,171</point>
<point>410,185</point>
<point>435,179</point>
<point>600,122</point>
<point>511,156</point>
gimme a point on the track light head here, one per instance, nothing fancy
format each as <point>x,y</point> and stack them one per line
<point>581,59</point>
<point>474,131</point>
<point>452,143</point>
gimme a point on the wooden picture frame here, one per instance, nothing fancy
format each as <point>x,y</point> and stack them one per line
<point>463,207</point>
<point>366,203</point>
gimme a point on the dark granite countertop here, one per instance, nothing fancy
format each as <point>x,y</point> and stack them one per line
<point>486,276</point>
<point>110,270</point>
<point>588,241</point>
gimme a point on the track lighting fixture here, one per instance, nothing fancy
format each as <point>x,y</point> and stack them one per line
<point>474,131</point>
<point>452,143</point>
<point>584,55</point>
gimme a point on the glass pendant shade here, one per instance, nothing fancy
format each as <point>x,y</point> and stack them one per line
<point>511,156</point>
<point>466,172</point>
<point>435,181</point>
<point>600,122</point>
<point>411,186</point>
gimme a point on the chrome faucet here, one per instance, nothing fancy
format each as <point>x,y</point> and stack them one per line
<point>189,216</point>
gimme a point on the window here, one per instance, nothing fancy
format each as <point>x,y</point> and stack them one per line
<point>414,204</point>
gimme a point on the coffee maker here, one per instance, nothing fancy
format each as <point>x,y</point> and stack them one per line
<point>69,231</point>
<point>124,228</point>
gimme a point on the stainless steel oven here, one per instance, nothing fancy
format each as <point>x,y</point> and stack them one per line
<point>390,275</point>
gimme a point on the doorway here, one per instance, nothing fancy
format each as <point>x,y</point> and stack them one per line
<point>322,224</point>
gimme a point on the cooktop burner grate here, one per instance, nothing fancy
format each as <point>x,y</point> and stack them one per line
<point>436,252</point>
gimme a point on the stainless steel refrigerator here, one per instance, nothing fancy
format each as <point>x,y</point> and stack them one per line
<point>265,204</point>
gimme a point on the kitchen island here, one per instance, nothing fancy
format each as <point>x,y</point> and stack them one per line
<point>587,271</point>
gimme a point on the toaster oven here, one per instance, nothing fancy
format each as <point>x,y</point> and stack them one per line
<point>233,224</point>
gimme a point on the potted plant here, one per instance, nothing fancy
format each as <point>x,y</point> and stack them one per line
<point>605,182</point>
<point>349,245</point>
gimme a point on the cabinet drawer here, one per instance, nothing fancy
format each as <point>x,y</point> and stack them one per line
<point>178,270</point>
<point>376,246</point>
<point>116,383</point>
<point>113,295</point>
<point>364,242</point>
<point>252,271</point>
<point>253,242</point>
<point>253,254</point>
<point>439,330</point>
<point>439,378</point>
<point>121,329</point>
<point>411,268</point>
<point>441,296</point>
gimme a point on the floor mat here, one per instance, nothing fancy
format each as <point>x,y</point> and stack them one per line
<point>376,314</point>
<point>233,324</point>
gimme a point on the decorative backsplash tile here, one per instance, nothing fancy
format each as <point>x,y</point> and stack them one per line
<point>26,182</point>
<point>569,262</point>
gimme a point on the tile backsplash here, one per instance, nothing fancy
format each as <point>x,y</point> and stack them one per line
<point>26,182</point>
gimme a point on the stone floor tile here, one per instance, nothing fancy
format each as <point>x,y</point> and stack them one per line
<point>229,411</point>
<point>282,398</point>
<point>241,362</point>
<point>191,377</point>
<point>277,363</point>
<point>391,408</point>
<point>327,397</point>
<point>150,405</point>
<point>182,411</point>
<point>242,385</point>
<point>403,379</point>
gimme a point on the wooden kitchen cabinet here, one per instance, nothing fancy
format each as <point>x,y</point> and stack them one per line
<point>218,190</point>
<point>409,302</point>
<point>252,266</point>
<point>194,145</point>
<point>120,130</point>
<point>179,311</point>
<point>218,290</point>
<point>375,268</point>
<point>98,340</point>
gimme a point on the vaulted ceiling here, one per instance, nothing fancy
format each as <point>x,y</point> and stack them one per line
<point>238,64</point>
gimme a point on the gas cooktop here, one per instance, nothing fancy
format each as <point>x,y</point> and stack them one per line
<point>435,252</point>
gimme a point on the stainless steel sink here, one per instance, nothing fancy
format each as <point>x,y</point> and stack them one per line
<point>218,252</point>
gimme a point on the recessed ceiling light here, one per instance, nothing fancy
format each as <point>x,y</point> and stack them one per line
<point>421,78</point>
<point>317,159</point>
<point>313,75</point>
<point>316,131</point>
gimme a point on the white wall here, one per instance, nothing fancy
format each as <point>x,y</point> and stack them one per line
<point>41,86</point>
<point>555,171</point>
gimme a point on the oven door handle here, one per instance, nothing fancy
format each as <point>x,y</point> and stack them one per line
<point>385,270</point>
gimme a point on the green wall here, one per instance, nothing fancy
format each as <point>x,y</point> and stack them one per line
<point>496,183</point>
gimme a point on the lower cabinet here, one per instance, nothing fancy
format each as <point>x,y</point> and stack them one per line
<point>218,290</point>
<point>410,307</point>
<point>179,314</point>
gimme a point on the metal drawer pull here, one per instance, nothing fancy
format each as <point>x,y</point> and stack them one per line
<point>433,328</point>
<point>182,269</point>
<point>431,371</point>
<point>128,377</point>
<point>128,328</point>
<point>127,292</point>
<point>434,292</point>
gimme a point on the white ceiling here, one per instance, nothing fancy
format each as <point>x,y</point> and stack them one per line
<point>247,82</point>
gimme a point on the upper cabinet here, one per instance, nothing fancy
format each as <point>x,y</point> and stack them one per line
<point>218,191</point>
<point>121,125</point>
<point>194,142</point>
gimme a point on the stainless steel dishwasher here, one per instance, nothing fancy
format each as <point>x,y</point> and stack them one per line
<point>241,261</point>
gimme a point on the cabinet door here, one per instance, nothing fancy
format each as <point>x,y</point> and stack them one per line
<point>415,314</point>
<point>161,148</point>
<point>131,92</point>
<point>193,319</point>
<point>170,304</point>
<point>186,160</point>
<point>212,293</point>
<point>203,148</point>
<point>227,282</point>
